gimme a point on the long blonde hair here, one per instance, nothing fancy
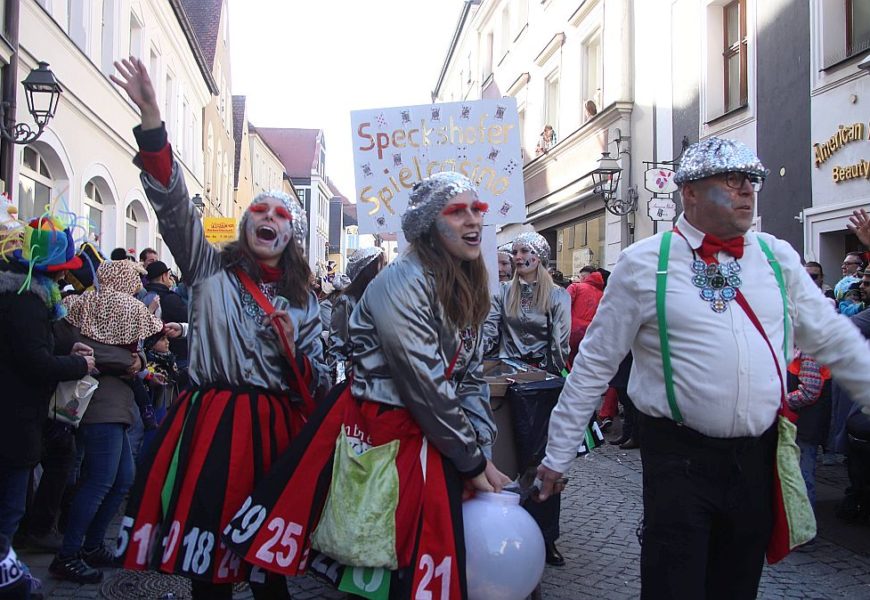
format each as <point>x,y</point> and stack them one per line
<point>541,298</point>
<point>462,287</point>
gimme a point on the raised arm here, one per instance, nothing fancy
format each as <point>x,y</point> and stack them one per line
<point>164,185</point>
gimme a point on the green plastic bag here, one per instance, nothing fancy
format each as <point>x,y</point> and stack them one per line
<point>798,510</point>
<point>358,524</point>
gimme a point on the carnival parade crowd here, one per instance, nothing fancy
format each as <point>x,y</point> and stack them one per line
<point>213,409</point>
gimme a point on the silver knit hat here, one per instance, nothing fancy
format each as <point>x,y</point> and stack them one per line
<point>360,259</point>
<point>717,155</point>
<point>536,242</point>
<point>300,220</point>
<point>428,199</point>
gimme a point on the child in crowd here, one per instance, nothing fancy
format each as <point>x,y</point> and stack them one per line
<point>852,303</point>
<point>162,373</point>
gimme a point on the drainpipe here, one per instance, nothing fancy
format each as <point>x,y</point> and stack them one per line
<point>10,89</point>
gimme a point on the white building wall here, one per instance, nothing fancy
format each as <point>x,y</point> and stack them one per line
<point>91,134</point>
<point>839,96</point>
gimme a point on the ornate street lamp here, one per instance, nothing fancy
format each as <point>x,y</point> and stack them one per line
<point>43,93</point>
<point>606,176</point>
<point>606,179</point>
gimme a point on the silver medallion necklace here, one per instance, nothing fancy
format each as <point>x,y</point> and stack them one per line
<point>718,282</point>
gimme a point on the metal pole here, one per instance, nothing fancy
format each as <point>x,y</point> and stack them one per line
<point>10,90</point>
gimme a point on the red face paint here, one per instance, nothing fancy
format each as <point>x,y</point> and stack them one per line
<point>283,213</point>
<point>479,206</point>
<point>259,208</point>
<point>452,209</point>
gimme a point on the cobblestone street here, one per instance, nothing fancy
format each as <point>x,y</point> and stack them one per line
<point>600,516</point>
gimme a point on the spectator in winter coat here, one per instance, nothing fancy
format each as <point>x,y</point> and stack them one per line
<point>29,368</point>
<point>585,297</point>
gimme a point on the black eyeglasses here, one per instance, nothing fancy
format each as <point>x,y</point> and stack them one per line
<point>735,179</point>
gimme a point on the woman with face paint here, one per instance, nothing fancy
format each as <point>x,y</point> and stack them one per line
<point>530,319</point>
<point>416,378</point>
<point>255,363</point>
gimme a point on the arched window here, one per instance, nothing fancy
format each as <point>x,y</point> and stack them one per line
<point>132,227</point>
<point>34,185</point>
<point>93,209</point>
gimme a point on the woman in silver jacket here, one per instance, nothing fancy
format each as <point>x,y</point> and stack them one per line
<point>530,316</point>
<point>252,368</point>
<point>362,267</point>
<point>530,319</point>
<point>417,378</point>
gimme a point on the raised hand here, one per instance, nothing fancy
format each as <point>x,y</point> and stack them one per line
<point>859,224</point>
<point>135,81</point>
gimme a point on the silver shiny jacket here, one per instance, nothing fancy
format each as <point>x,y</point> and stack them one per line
<point>528,335</point>
<point>227,342</point>
<point>402,347</point>
<point>339,348</point>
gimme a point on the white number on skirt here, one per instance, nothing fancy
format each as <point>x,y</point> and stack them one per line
<point>253,518</point>
<point>442,572</point>
<point>171,540</point>
<point>198,546</point>
<point>124,536</point>
<point>287,535</point>
<point>230,561</point>
<point>144,537</point>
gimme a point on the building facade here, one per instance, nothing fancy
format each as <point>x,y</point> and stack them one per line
<point>302,153</point>
<point>837,155</point>
<point>83,160</point>
<point>210,21</point>
<point>570,70</point>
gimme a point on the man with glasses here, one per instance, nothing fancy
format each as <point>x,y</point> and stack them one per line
<point>853,265</point>
<point>702,312</point>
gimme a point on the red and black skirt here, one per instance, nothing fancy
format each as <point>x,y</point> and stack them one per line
<point>212,449</point>
<point>272,530</point>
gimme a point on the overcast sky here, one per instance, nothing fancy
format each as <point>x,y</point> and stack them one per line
<point>309,63</point>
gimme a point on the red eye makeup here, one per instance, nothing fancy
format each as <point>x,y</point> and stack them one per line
<point>283,213</point>
<point>476,206</point>
<point>259,208</point>
<point>453,209</point>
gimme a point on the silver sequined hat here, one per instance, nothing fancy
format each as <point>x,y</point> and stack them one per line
<point>717,155</point>
<point>300,220</point>
<point>360,259</point>
<point>536,242</point>
<point>428,198</point>
<point>506,248</point>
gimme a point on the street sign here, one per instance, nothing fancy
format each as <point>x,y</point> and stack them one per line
<point>219,229</point>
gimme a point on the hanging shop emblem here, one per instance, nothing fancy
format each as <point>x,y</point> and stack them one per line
<point>660,181</point>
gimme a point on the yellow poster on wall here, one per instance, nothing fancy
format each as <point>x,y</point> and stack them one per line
<point>219,229</point>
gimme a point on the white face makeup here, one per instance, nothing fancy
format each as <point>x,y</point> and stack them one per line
<point>458,227</point>
<point>525,259</point>
<point>269,228</point>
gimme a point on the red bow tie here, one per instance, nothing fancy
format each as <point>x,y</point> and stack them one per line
<point>713,245</point>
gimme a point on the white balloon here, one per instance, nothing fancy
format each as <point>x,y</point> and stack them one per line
<point>504,548</point>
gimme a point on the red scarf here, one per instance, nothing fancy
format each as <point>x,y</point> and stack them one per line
<point>270,274</point>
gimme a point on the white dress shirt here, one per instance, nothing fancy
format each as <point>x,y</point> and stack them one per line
<point>725,381</point>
